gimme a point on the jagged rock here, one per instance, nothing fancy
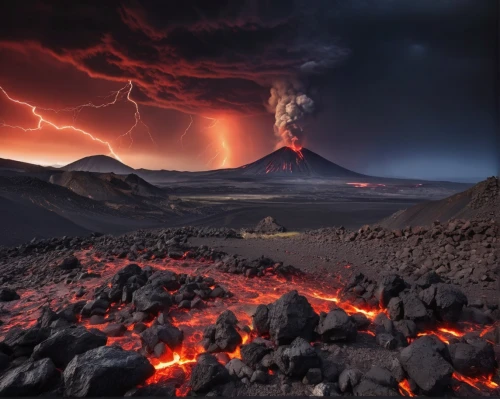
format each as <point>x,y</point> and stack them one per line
<point>69,263</point>
<point>336,326</point>
<point>252,353</point>
<point>105,371</point>
<point>22,342</point>
<point>64,345</point>
<point>239,369</point>
<point>473,358</point>
<point>259,376</point>
<point>413,307</point>
<point>348,379</point>
<point>407,327</point>
<point>395,309</point>
<point>389,287</point>
<point>29,379</point>
<point>313,376</point>
<point>114,330</point>
<point>207,373</point>
<point>325,389</point>
<point>381,376</point>
<point>291,316</point>
<point>226,337</point>
<point>260,320</point>
<point>425,362</point>
<point>167,333</point>
<point>369,388</point>
<point>449,302</point>
<point>269,225</point>
<point>151,299</point>
<point>8,294</point>
<point>361,321</point>
<point>295,359</point>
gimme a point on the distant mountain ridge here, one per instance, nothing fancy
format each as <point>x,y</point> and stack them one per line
<point>479,201</point>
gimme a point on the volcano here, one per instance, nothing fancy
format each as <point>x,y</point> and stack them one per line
<point>296,162</point>
<point>99,164</point>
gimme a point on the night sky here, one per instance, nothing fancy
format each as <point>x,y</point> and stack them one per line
<point>400,88</point>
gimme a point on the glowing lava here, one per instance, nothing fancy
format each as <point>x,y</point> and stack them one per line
<point>364,185</point>
<point>404,389</point>
<point>322,293</point>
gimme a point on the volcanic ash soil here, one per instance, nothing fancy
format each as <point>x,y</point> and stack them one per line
<point>153,314</point>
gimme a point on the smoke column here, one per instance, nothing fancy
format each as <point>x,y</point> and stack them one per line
<point>289,104</point>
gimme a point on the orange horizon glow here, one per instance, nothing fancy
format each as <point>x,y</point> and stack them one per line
<point>52,141</point>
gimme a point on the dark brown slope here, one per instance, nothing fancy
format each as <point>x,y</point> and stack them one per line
<point>289,162</point>
<point>480,201</point>
<point>107,186</point>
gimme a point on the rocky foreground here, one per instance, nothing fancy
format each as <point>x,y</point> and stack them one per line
<point>148,314</point>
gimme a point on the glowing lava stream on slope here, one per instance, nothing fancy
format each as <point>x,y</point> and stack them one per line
<point>248,293</point>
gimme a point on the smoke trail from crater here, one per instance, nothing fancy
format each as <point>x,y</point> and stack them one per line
<point>290,105</point>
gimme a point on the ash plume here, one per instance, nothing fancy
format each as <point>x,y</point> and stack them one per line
<point>290,105</point>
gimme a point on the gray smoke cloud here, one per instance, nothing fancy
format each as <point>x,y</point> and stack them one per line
<point>290,104</point>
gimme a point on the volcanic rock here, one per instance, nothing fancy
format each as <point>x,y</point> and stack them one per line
<point>336,326</point>
<point>369,388</point>
<point>413,308</point>
<point>105,371</point>
<point>348,379</point>
<point>151,299</point>
<point>153,390</point>
<point>291,316</point>
<point>259,376</point>
<point>64,345</point>
<point>449,302</point>
<point>395,309</point>
<point>361,321</point>
<point>269,225</point>
<point>69,263</point>
<point>239,369</point>
<point>252,353</point>
<point>381,376</point>
<point>114,330</point>
<point>295,359</point>
<point>325,389</point>
<point>313,376</point>
<point>226,337</point>
<point>473,358</point>
<point>8,294</point>
<point>167,333</point>
<point>207,373</point>
<point>47,317</point>
<point>22,342</point>
<point>30,379</point>
<point>389,287</point>
<point>425,362</point>
<point>260,320</point>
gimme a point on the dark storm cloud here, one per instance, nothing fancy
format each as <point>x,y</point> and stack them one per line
<point>193,56</point>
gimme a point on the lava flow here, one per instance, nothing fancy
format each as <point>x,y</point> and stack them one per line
<point>247,294</point>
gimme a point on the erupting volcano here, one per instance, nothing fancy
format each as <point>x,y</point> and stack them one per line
<point>296,161</point>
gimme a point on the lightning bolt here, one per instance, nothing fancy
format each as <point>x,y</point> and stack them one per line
<point>42,121</point>
<point>185,131</point>
<point>125,91</point>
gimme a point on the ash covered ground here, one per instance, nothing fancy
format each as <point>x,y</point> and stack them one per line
<point>348,288</point>
<point>158,313</point>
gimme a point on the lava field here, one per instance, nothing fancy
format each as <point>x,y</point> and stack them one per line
<point>146,315</point>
